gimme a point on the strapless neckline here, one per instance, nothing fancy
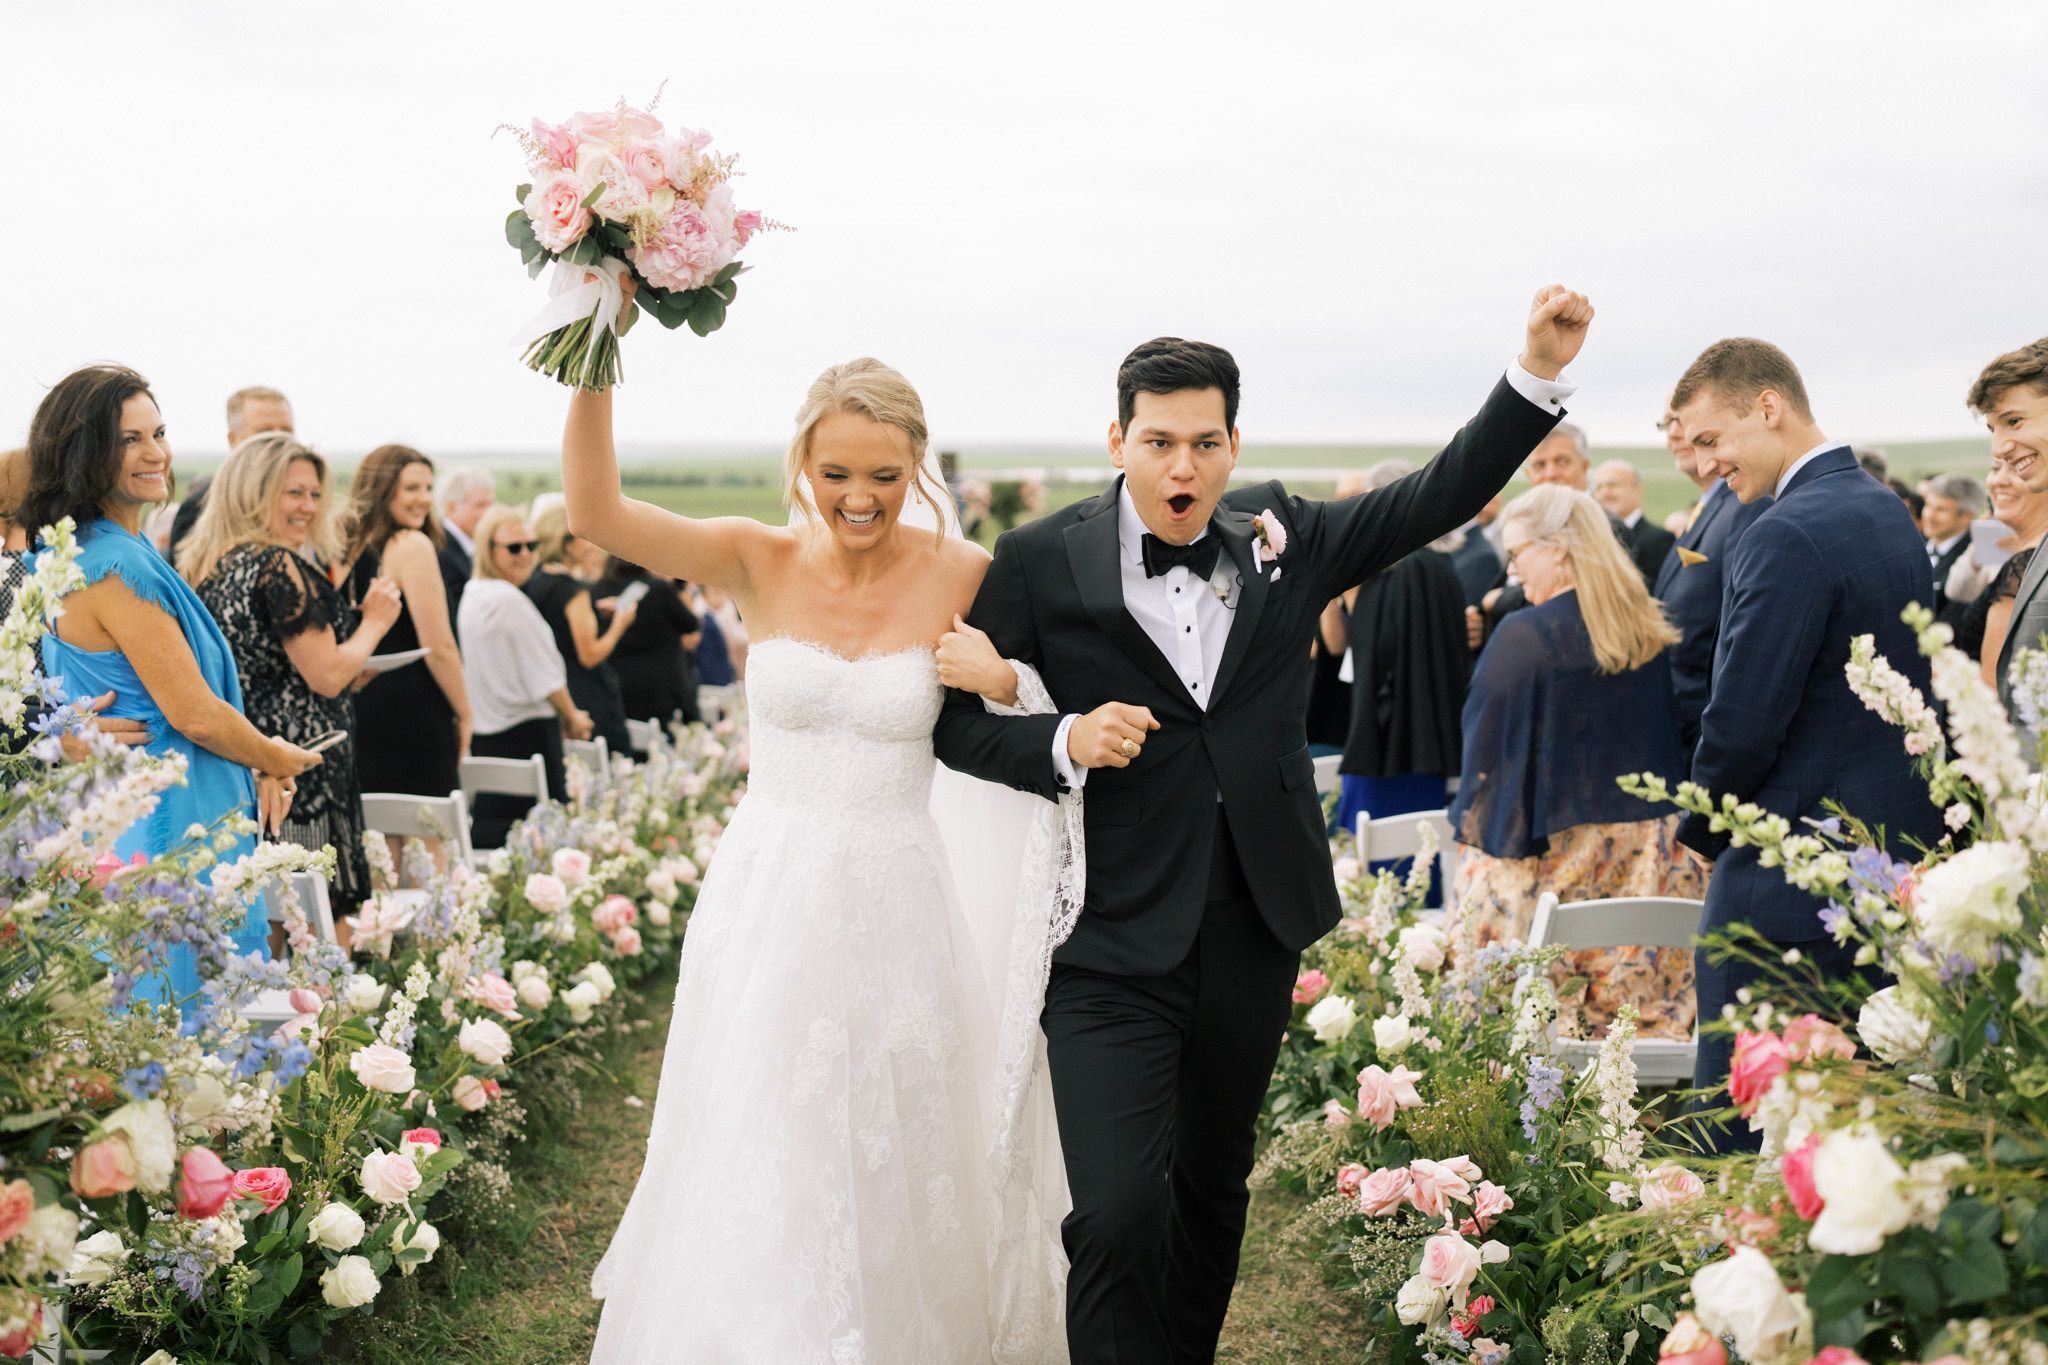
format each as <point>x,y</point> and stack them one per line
<point>867,657</point>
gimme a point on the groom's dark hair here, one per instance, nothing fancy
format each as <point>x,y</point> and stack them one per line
<point>1170,365</point>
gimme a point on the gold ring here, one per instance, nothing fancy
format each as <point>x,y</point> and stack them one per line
<point>1130,749</point>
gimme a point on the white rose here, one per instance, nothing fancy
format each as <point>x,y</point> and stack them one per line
<point>580,1000</point>
<point>336,1227</point>
<point>682,869</point>
<point>598,975</point>
<point>95,1260</point>
<point>659,913</point>
<point>389,1177</point>
<point>1742,1297</point>
<point>535,992</point>
<point>661,886</point>
<point>200,1097</point>
<point>364,995</point>
<point>1420,1303</point>
<point>1392,1035</point>
<point>1891,1029</point>
<point>1424,946</point>
<point>161,1358</point>
<point>350,1284</point>
<point>485,1040</point>
<point>380,1066</point>
<point>50,1239</point>
<point>470,1093</point>
<point>524,968</point>
<point>1927,1182</point>
<point>148,1128</point>
<point>1972,900</point>
<point>1333,1017</point>
<point>1858,1176</point>
<point>425,1238</point>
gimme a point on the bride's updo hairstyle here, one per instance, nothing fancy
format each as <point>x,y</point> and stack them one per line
<point>877,392</point>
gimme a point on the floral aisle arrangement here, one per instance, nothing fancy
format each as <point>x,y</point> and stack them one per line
<point>188,1182</point>
<point>613,195</point>
<point>1898,1209</point>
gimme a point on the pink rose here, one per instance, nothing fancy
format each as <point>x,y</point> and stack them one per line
<point>1273,541</point>
<point>1435,1184</point>
<point>555,204</point>
<point>1462,1166</point>
<point>1798,1172</point>
<point>469,1093</point>
<point>495,994</point>
<point>1349,1177</point>
<point>389,1177</point>
<point>1450,1263</point>
<point>627,941</point>
<point>109,864</point>
<point>572,865</point>
<point>204,1184</point>
<point>21,1341</point>
<point>1810,1037</point>
<point>1669,1186</point>
<point>419,1143</point>
<point>647,162</point>
<point>1760,1058</point>
<point>687,253</point>
<point>305,1001</point>
<point>268,1183</point>
<point>557,143</point>
<point>1380,1193</point>
<point>1383,1094</point>
<point>613,913</point>
<point>17,1204</point>
<point>1489,1201</point>
<point>1335,1115</point>
<point>1309,986</point>
<point>1688,1343</point>
<point>485,1040</point>
<point>545,892</point>
<point>383,1067</point>
<point>103,1168</point>
<point>612,125</point>
<point>1467,1322</point>
<point>1837,1355</point>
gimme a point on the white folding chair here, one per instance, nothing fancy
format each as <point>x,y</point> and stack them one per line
<point>645,734</point>
<point>402,815</point>
<point>51,1350</point>
<point>274,1007</point>
<point>593,756</point>
<point>1400,836</point>
<point>1625,922</point>
<point>505,777</point>
<point>1327,777</point>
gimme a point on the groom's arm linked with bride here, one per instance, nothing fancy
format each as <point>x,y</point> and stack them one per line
<point>1182,670</point>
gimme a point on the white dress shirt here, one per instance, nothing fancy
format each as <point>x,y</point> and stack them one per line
<point>1937,548</point>
<point>1190,620</point>
<point>1804,460</point>
<point>460,537</point>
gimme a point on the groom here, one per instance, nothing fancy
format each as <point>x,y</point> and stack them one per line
<point>1176,619</point>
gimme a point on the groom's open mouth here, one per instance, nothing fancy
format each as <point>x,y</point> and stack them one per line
<point>1180,503</point>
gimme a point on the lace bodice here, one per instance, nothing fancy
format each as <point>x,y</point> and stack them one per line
<point>850,735</point>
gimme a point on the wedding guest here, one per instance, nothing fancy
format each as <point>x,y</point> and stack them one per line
<point>722,656</point>
<point>657,677</point>
<point>1689,585</point>
<point>1569,695</point>
<point>569,566</point>
<point>298,644</point>
<point>1836,556</point>
<point>1985,619</point>
<point>2011,395</point>
<point>518,681</point>
<point>250,411</point>
<point>1329,688</point>
<point>1477,558</point>
<point>14,565</point>
<point>467,492</point>
<point>1950,504</point>
<point>1563,460</point>
<point>413,722</point>
<point>1617,486</point>
<point>98,453</point>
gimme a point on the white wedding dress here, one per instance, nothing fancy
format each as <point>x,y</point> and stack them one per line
<point>850,1163</point>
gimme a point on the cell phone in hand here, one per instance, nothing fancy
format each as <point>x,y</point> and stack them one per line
<point>631,594</point>
<point>325,742</point>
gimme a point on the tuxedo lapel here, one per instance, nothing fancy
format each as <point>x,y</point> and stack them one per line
<point>1234,528</point>
<point>1096,559</point>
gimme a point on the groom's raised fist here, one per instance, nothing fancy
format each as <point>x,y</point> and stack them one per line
<point>1558,319</point>
<point>1110,736</point>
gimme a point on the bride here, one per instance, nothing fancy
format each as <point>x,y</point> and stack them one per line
<point>849,1163</point>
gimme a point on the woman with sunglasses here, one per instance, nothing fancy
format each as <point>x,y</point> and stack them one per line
<point>518,687</point>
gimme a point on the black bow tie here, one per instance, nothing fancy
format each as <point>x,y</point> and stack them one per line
<point>1199,557</point>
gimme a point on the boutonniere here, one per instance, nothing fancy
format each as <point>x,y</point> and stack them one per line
<point>1272,540</point>
<point>1690,557</point>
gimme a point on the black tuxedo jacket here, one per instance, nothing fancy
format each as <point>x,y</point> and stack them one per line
<point>1053,598</point>
<point>1942,565</point>
<point>1648,544</point>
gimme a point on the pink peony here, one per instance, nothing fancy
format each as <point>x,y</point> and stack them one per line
<point>1798,1172</point>
<point>17,1205</point>
<point>687,253</point>
<point>1335,1115</point>
<point>1450,1263</point>
<point>1349,1177</point>
<point>1383,1094</point>
<point>614,913</point>
<point>1688,1343</point>
<point>555,204</point>
<point>1309,986</point>
<point>1810,1037</point>
<point>1435,1185</point>
<point>204,1184</point>
<point>1760,1058</point>
<point>627,941</point>
<point>1380,1193</point>
<point>495,994</point>
<point>268,1183</point>
<point>469,1093</point>
<point>103,1168</point>
<point>1669,1186</point>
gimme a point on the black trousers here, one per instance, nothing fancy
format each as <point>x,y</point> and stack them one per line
<point>495,815</point>
<point>1158,1082</point>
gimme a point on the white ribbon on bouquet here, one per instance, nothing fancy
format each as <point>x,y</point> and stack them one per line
<point>577,292</point>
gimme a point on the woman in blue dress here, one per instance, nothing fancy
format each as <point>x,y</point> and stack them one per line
<point>97,454</point>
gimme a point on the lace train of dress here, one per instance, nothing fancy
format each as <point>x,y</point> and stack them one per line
<point>817,1186</point>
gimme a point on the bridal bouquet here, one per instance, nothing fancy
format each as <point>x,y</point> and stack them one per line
<point>613,194</point>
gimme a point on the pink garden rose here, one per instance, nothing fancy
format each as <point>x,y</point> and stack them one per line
<point>382,1067</point>
<point>647,162</point>
<point>1489,1201</point>
<point>1462,1165</point>
<point>613,913</point>
<point>1272,543</point>
<point>614,125</point>
<point>1383,1094</point>
<point>627,941</point>
<point>1688,1343</point>
<point>556,142</point>
<point>268,1183</point>
<point>494,993</point>
<point>1383,1191</point>
<point>389,1177</point>
<point>1309,987</point>
<point>1349,1177</point>
<point>1810,1037</point>
<point>1450,1263</point>
<point>1760,1058</point>
<point>17,1205</point>
<point>1798,1172</point>
<point>555,204</point>
<point>20,1342</point>
<point>545,892</point>
<point>419,1143</point>
<point>469,1093</point>
<point>1436,1184</point>
<point>103,1168</point>
<point>572,865</point>
<point>485,1040</point>
<point>306,1001</point>
<point>1335,1115</point>
<point>204,1183</point>
<point>1669,1186</point>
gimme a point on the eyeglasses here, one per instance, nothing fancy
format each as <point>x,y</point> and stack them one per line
<point>519,547</point>
<point>1516,550</point>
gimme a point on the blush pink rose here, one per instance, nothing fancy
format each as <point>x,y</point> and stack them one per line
<point>545,892</point>
<point>1335,1115</point>
<point>1798,1172</point>
<point>204,1183</point>
<point>556,142</point>
<point>1688,1343</point>
<point>305,1001</point>
<point>1669,1186</point>
<point>555,204</point>
<point>1380,1193</point>
<point>470,1094</point>
<point>268,1183</point>
<point>612,125</point>
<point>1383,1094</point>
<point>1274,543</point>
<point>572,865</point>
<point>1464,1166</point>
<point>389,1177</point>
<point>419,1143</point>
<point>17,1205</point>
<point>1349,1177</point>
<point>382,1067</point>
<point>627,941</point>
<point>1489,1201</point>
<point>1810,1037</point>
<point>647,162</point>
<point>614,913</point>
<point>1450,1263</point>
<point>1435,1185</point>
<point>103,1168</point>
<point>495,994</point>
<point>1760,1058</point>
<point>1309,987</point>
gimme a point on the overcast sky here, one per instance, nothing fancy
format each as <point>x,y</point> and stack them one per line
<point>1356,198</point>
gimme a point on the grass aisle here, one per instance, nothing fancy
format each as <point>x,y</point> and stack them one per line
<point>524,1297</point>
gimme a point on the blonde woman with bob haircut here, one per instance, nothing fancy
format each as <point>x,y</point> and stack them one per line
<point>298,644</point>
<point>1568,696</point>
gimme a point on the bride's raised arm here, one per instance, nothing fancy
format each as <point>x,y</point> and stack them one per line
<point>717,550</point>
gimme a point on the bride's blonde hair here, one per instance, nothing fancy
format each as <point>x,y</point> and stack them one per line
<point>876,391</point>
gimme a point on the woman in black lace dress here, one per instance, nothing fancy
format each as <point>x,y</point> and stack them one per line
<point>298,646</point>
<point>562,590</point>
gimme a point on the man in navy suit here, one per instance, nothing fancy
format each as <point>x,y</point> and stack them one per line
<point>1835,556</point>
<point>1689,581</point>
